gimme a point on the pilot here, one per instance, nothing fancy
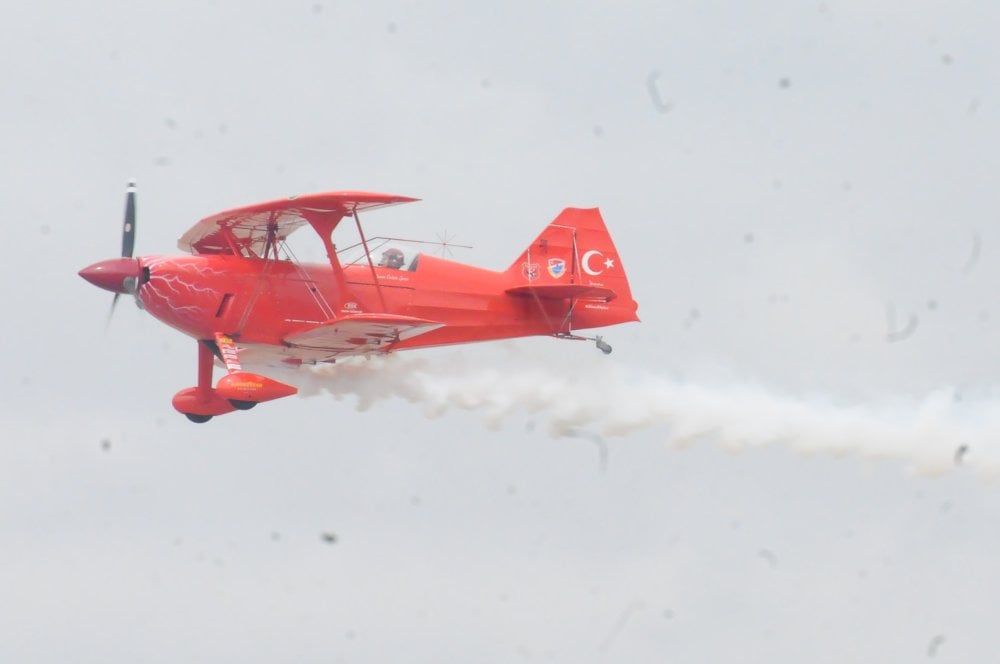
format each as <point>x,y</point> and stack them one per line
<point>392,258</point>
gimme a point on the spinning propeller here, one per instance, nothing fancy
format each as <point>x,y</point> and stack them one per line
<point>119,275</point>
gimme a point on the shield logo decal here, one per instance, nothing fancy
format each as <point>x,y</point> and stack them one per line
<point>529,271</point>
<point>557,267</point>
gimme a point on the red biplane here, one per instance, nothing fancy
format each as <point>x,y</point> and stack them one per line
<point>246,301</point>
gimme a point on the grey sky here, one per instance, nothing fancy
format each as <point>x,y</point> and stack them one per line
<point>821,165</point>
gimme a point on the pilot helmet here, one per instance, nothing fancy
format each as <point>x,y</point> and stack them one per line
<point>392,258</point>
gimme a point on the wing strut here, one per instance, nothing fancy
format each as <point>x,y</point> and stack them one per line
<point>324,223</point>
<point>371,266</point>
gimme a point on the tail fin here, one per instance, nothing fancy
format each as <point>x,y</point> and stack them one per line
<point>574,257</point>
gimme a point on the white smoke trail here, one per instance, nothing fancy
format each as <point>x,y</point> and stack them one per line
<point>932,435</point>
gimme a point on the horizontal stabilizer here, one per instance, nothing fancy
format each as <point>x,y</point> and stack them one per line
<point>564,292</point>
<point>361,333</point>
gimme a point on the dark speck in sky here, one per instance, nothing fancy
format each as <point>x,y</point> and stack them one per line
<point>935,644</point>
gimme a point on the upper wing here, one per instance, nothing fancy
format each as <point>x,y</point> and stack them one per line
<point>361,333</point>
<point>246,228</point>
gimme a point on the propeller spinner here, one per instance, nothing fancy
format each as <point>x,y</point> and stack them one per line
<point>119,275</point>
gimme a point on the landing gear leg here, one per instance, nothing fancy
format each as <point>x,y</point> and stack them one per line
<point>202,402</point>
<point>205,366</point>
<point>205,369</point>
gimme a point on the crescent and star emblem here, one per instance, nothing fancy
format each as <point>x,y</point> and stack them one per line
<point>607,263</point>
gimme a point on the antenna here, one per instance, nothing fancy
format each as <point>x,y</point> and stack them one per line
<point>445,243</point>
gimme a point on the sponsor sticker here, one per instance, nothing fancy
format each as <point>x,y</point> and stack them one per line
<point>230,356</point>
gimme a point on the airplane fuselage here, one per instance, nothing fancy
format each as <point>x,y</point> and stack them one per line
<point>261,302</point>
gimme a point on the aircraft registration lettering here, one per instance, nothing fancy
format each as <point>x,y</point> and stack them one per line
<point>350,308</point>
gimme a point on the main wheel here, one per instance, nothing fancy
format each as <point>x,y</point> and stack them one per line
<point>197,419</point>
<point>239,404</point>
